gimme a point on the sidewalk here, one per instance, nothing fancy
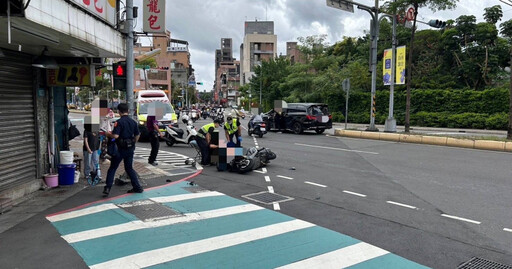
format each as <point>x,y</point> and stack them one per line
<point>428,130</point>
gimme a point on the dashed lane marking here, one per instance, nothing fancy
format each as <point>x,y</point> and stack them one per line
<point>277,207</point>
<point>264,169</point>
<point>267,178</point>
<point>402,205</point>
<point>355,193</point>
<point>258,171</point>
<point>461,219</point>
<point>289,178</point>
<point>270,189</point>
<point>315,184</point>
<point>331,148</point>
<point>507,230</point>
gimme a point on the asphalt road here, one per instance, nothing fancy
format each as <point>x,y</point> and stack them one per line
<point>434,205</point>
<point>437,206</point>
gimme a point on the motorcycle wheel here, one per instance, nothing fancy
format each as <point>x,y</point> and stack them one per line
<point>245,166</point>
<point>169,141</point>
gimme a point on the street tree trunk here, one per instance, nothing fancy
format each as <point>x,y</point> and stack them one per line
<point>509,130</point>
<point>409,74</point>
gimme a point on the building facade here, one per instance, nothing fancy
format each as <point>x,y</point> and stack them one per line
<point>45,47</point>
<point>293,53</point>
<point>227,74</point>
<point>260,44</point>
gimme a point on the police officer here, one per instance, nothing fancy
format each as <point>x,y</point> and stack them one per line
<point>126,134</point>
<point>204,137</point>
<point>232,128</point>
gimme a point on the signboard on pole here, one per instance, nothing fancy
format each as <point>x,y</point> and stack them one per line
<point>400,65</point>
<point>340,4</point>
<point>153,16</point>
<point>386,66</point>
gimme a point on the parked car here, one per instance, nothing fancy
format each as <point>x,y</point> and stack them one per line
<point>298,117</point>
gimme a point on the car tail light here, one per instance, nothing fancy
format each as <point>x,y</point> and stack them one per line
<point>330,117</point>
<point>309,117</point>
<point>263,125</point>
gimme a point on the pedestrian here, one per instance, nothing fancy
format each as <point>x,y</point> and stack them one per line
<point>204,139</point>
<point>154,138</point>
<point>232,129</point>
<point>126,134</point>
<point>90,148</point>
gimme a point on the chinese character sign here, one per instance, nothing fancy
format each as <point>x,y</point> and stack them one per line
<point>154,16</point>
<point>103,9</point>
<point>400,65</point>
<point>70,75</point>
<point>386,66</point>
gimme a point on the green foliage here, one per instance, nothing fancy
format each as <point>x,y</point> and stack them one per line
<point>493,14</point>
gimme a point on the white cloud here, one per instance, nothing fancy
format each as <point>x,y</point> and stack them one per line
<point>204,23</point>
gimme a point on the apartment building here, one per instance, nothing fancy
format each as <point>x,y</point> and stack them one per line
<point>260,43</point>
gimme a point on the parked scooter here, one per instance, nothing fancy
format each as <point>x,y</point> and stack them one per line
<point>175,135</point>
<point>253,159</point>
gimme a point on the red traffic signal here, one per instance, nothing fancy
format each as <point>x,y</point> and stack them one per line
<point>119,69</point>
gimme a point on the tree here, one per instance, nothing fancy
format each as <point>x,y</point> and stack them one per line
<point>312,46</point>
<point>506,30</point>
<point>151,62</point>
<point>493,14</point>
<point>393,7</point>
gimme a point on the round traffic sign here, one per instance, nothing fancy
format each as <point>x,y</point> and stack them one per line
<point>409,15</point>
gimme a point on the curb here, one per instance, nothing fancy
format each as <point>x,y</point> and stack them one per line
<point>429,140</point>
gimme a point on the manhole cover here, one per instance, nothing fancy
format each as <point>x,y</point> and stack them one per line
<point>147,210</point>
<point>195,189</point>
<point>267,197</point>
<point>479,263</point>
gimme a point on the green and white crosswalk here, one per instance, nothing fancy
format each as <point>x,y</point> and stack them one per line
<point>208,230</point>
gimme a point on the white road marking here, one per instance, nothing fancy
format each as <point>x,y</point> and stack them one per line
<point>315,184</point>
<point>139,225</point>
<point>82,212</point>
<point>243,127</point>
<point>264,169</point>
<point>167,254</point>
<point>355,193</point>
<point>289,178</point>
<point>507,230</point>
<point>183,197</point>
<point>462,219</point>
<point>267,178</point>
<point>340,258</point>
<point>258,171</point>
<point>402,205</point>
<point>348,150</point>
<point>277,207</point>
<point>270,189</point>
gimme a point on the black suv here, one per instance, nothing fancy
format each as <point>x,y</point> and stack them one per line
<point>299,117</point>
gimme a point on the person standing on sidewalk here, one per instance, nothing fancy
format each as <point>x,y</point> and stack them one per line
<point>91,146</point>
<point>154,138</point>
<point>232,129</point>
<point>204,137</point>
<point>126,134</point>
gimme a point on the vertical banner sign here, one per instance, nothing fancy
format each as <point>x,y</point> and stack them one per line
<point>386,66</point>
<point>400,65</point>
<point>153,16</point>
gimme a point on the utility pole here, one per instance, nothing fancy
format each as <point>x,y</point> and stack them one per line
<point>390,121</point>
<point>261,83</point>
<point>129,56</point>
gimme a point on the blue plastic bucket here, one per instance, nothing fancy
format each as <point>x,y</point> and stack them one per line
<point>66,174</point>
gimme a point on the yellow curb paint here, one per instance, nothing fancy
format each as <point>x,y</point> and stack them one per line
<point>370,135</point>
<point>490,145</point>
<point>460,143</point>
<point>508,146</point>
<point>339,132</point>
<point>390,137</point>
<point>353,134</point>
<point>405,138</point>
<point>434,140</point>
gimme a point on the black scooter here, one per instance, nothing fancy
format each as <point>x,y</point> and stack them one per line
<point>253,159</point>
<point>259,129</point>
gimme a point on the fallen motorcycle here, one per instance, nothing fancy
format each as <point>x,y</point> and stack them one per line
<point>253,159</point>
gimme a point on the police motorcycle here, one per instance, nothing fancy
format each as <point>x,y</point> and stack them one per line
<point>252,160</point>
<point>175,135</point>
<point>258,127</point>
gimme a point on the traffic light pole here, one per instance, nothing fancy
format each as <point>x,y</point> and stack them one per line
<point>129,56</point>
<point>390,126</point>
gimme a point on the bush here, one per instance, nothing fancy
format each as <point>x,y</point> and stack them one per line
<point>497,121</point>
<point>338,117</point>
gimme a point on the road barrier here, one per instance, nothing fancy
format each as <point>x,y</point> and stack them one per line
<point>426,139</point>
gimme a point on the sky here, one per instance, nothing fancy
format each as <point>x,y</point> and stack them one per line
<point>204,22</point>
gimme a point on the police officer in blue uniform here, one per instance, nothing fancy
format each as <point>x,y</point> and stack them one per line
<point>126,134</point>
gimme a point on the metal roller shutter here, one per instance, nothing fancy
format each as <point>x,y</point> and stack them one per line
<point>17,124</point>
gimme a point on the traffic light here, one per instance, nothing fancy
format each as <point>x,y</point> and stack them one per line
<point>437,23</point>
<point>119,70</point>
